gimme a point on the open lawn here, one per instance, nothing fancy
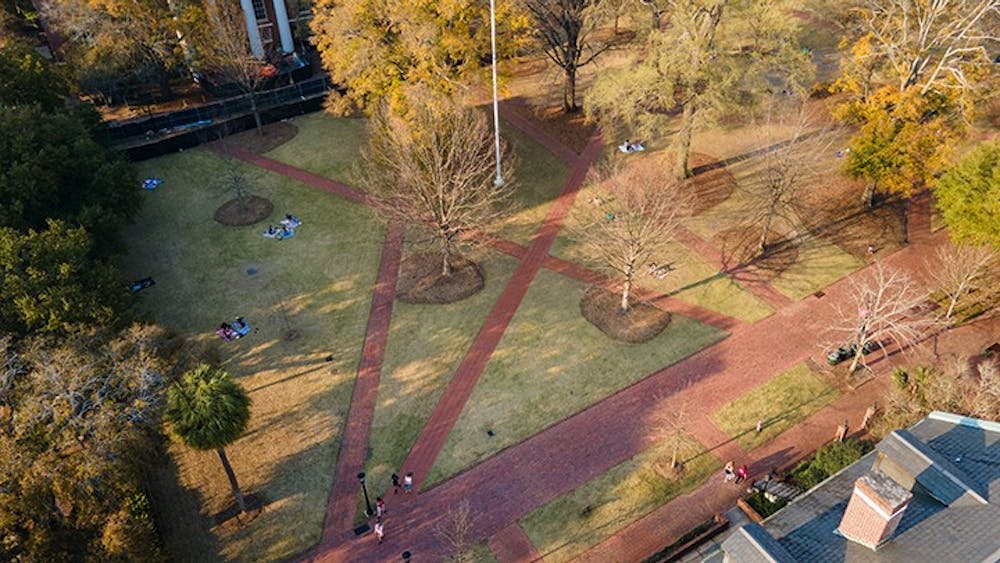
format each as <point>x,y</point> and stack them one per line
<point>780,403</point>
<point>819,264</point>
<point>550,364</point>
<point>572,523</point>
<point>426,344</point>
<point>325,145</point>
<point>319,284</point>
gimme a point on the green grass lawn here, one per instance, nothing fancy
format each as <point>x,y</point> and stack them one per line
<point>819,264</point>
<point>781,403</point>
<point>550,364</point>
<point>539,176</point>
<point>325,145</point>
<point>582,518</point>
<point>692,279</point>
<point>318,283</point>
<point>426,344</point>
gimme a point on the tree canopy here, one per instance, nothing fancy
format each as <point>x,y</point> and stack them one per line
<point>375,48</point>
<point>968,195</point>
<point>435,168</point>
<point>206,409</point>
<point>714,57</point>
<point>52,166</point>
<point>914,73</point>
<point>26,78</point>
<point>76,419</point>
<point>50,281</point>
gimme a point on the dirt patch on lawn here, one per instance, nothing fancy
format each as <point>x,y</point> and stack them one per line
<point>641,323</point>
<point>835,213</point>
<point>239,212</point>
<point>421,281</point>
<point>275,135</point>
<point>711,183</point>
<point>570,129</point>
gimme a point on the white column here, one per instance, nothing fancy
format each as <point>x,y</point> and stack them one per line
<point>284,30</point>
<point>256,47</point>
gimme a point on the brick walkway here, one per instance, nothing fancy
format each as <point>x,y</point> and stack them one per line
<point>514,482</point>
<point>354,446</point>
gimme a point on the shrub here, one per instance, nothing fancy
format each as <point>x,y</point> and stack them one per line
<point>828,460</point>
<point>763,506</point>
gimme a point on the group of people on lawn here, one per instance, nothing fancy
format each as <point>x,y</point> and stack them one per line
<point>238,329</point>
<point>285,229</point>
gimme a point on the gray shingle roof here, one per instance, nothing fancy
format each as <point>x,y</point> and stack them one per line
<point>954,458</point>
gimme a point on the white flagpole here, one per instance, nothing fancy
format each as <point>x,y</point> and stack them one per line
<point>496,111</point>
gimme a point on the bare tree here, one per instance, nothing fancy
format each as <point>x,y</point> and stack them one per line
<point>672,423</point>
<point>455,532</point>
<point>224,52</point>
<point>564,28</point>
<point>960,270</point>
<point>435,168</point>
<point>613,9</point>
<point>235,180</point>
<point>886,307</point>
<point>785,166</point>
<point>642,205</point>
<point>985,397</point>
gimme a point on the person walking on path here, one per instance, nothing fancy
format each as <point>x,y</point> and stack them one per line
<point>742,473</point>
<point>730,471</point>
<point>395,484</point>
<point>379,531</point>
<point>379,508</point>
<point>408,483</point>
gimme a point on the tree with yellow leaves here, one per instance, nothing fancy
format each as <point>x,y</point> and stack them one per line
<point>375,48</point>
<point>915,70</point>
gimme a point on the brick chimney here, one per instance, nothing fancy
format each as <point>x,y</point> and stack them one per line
<point>875,509</point>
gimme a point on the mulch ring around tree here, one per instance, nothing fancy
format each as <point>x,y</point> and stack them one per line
<point>642,322</point>
<point>275,135</point>
<point>421,280</point>
<point>711,183</point>
<point>236,213</point>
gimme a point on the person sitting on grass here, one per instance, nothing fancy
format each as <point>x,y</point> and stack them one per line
<point>272,232</point>
<point>285,232</point>
<point>241,327</point>
<point>226,332</point>
<point>291,221</point>
<point>629,146</point>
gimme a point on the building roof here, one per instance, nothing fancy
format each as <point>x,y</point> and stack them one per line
<point>950,463</point>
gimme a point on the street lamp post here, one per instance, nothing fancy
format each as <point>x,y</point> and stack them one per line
<point>406,556</point>
<point>498,181</point>
<point>364,489</point>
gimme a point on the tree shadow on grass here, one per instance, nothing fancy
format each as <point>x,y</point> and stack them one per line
<point>186,530</point>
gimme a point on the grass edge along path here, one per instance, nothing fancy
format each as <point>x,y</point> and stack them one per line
<point>780,403</point>
<point>611,501</point>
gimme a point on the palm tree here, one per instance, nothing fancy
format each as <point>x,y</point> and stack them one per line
<point>208,411</point>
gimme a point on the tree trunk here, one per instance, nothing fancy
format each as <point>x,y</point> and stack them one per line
<point>626,289</point>
<point>762,243</point>
<point>673,457</point>
<point>163,79</point>
<point>684,140</point>
<point>569,92</point>
<point>446,263</point>
<point>951,307</point>
<point>232,480</point>
<point>615,30</point>
<point>868,196</point>
<point>857,357</point>
<point>256,114</point>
